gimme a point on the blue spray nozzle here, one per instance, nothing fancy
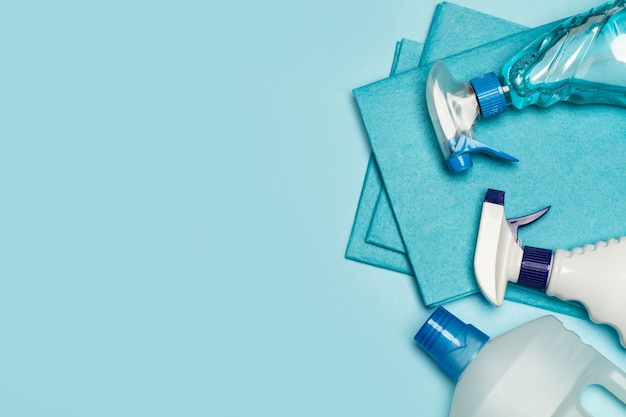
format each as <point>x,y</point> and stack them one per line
<point>451,342</point>
<point>461,157</point>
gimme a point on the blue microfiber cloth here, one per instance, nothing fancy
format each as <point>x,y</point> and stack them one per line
<point>453,29</point>
<point>383,230</point>
<point>449,279</point>
<point>358,248</point>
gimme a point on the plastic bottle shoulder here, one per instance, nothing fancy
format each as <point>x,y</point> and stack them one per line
<point>530,370</point>
<point>582,60</point>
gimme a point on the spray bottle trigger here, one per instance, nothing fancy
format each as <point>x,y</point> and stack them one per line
<point>466,144</point>
<point>516,223</point>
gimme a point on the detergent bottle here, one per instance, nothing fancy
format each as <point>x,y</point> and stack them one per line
<point>535,370</point>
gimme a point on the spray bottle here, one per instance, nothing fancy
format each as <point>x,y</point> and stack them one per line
<point>594,275</point>
<point>582,60</point>
<point>538,369</point>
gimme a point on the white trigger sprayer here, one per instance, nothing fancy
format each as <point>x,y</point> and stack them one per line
<point>594,275</point>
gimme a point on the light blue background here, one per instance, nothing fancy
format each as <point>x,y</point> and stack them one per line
<point>179,181</point>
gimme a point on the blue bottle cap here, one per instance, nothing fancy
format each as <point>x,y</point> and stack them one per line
<point>490,94</point>
<point>452,343</point>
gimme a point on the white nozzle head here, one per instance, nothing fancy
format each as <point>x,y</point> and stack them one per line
<point>498,255</point>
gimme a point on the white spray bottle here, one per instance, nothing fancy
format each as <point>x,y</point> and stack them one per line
<point>538,369</point>
<point>594,275</point>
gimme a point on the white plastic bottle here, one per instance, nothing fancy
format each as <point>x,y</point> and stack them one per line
<point>536,370</point>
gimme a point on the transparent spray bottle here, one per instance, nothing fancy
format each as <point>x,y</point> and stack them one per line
<point>535,370</point>
<point>581,60</point>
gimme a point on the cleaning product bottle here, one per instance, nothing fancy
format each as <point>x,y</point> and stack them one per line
<point>536,370</point>
<point>594,275</point>
<point>582,60</point>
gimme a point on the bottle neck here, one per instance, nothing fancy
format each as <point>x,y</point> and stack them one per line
<point>536,267</point>
<point>491,93</point>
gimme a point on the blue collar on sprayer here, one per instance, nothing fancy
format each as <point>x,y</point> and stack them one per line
<point>582,60</point>
<point>594,275</point>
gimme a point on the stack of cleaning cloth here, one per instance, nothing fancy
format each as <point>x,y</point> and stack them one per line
<point>417,218</point>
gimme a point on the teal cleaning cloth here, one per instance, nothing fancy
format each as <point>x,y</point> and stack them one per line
<point>438,213</point>
<point>375,238</point>
<point>406,57</point>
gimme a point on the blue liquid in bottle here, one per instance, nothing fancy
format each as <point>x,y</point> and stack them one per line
<point>582,60</point>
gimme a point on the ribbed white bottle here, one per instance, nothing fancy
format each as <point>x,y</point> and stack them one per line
<point>594,275</point>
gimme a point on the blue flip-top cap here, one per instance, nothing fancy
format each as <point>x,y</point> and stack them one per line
<point>452,343</point>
